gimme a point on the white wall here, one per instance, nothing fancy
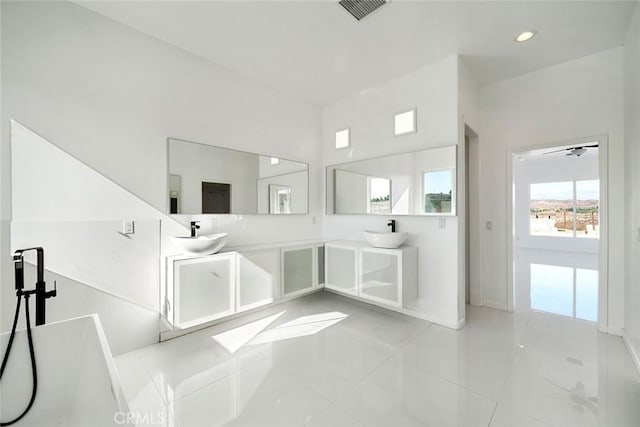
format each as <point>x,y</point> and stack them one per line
<point>469,102</point>
<point>575,99</point>
<point>110,97</point>
<point>632,182</point>
<point>556,168</point>
<point>369,114</point>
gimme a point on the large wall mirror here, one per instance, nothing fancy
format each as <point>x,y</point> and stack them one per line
<point>204,179</point>
<point>417,183</point>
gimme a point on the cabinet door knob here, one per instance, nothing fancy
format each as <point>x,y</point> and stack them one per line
<point>214,274</point>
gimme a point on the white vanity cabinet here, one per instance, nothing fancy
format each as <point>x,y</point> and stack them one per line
<point>387,277</point>
<point>299,267</point>
<point>203,288</point>
<point>258,278</point>
<point>341,267</point>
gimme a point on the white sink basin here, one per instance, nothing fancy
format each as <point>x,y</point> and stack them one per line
<point>385,239</point>
<point>201,245</point>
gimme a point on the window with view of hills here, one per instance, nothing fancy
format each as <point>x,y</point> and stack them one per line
<point>565,209</point>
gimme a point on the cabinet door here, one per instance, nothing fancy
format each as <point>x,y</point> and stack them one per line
<point>341,266</point>
<point>320,266</point>
<point>258,278</point>
<point>204,289</point>
<point>298,270</point>
<point>381,276</point>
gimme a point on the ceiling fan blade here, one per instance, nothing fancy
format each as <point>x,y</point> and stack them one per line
<point>556,151</point>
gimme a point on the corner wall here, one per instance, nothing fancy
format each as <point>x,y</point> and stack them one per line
<point>369,114</point>
<point>632,182</point>
<point>469,122</point>
<point>579,98</point>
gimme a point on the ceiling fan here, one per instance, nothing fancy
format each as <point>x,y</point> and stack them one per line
<point>574,151</point>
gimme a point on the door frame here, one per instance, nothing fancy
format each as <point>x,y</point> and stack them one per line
<point>603,246</point>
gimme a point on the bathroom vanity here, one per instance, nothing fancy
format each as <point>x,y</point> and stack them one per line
<point>204,288</point>
<point>386,277</point>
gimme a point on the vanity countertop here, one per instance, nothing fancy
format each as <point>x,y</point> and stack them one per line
<point>252,247</point>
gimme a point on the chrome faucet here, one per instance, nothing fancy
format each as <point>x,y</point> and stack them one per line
<point>392,224</point>
<point>195,225</point>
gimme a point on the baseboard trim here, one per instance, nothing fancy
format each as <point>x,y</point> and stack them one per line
<point>408,312</point>
<point>496,305</point>
<point>635,356</point>
<point>461,323</point>
<point>615,331</point>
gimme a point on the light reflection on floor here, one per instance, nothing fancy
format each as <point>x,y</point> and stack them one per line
<point>300,327</point>
<point>564,283</point>
<point>254,333</point>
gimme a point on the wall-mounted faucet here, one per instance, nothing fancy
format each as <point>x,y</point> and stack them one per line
<point>392,224</point>
<point>195,225</point>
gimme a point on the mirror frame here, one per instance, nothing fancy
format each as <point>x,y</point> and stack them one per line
<point>168,174</point>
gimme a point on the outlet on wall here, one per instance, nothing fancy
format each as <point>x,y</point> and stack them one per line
<point>443,223</point>
<point>128,227</point>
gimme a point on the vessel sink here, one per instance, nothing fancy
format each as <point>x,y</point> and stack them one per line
<point>201,245</point>
<point>385,239</point>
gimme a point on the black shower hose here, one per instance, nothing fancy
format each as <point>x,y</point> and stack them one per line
<point>5,359</point>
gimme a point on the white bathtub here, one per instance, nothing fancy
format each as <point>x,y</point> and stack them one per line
<point>78,382</point>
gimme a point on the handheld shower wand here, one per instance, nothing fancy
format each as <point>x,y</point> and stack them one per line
<point>41,296</point>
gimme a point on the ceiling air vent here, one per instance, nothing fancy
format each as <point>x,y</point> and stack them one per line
<point>361,8</point>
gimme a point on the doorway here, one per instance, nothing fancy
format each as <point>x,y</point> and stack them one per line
<point>558,250</point>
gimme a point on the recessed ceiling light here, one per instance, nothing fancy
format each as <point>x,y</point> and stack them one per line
<point>527,35</point>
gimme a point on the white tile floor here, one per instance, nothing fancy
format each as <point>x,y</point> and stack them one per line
<point>378,368</point>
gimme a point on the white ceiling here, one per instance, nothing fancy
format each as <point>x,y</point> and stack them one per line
<point>316,51</point>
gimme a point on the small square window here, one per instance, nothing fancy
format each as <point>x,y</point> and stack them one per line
<point>343,138</point>
<point>405,122</point>
<point>275,160</point>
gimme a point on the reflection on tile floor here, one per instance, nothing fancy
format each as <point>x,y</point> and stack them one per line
<point>564,283</point>
<point>345,363</point>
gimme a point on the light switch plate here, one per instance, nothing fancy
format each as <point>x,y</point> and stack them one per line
<point>443,223</point>
<point>128,227</point>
